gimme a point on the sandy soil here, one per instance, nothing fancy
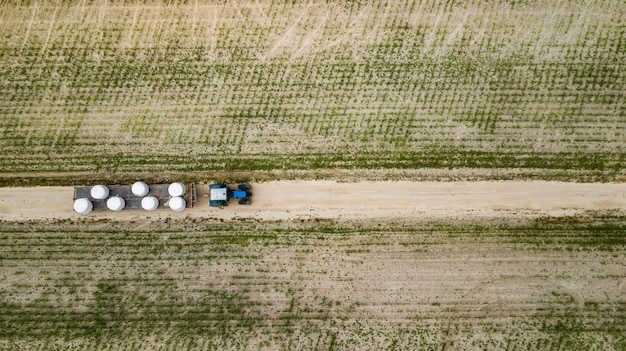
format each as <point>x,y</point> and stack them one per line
<point>328,199</point>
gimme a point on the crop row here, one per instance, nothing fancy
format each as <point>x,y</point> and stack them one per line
<point>249,285</point>
<point>328,84</point>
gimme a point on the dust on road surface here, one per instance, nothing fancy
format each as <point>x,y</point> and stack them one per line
<point>328,199</point>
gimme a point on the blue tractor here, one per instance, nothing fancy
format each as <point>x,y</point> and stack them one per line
<point>221,193</point>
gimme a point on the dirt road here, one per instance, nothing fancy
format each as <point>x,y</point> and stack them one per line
<point>328,199</point>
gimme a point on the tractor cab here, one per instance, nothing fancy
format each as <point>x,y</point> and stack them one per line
<point>221,193</point>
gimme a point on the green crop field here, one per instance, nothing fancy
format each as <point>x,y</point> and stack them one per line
<point>550,284</point>
<point>113,89</point>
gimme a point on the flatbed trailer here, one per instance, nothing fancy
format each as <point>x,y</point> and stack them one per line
<point>134,202</point>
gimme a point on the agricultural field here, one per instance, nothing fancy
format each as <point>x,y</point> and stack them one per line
<point>346,91</point>
<point>111,90</point>
<point>473,284</point>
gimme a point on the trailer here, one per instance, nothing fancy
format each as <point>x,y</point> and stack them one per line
<point>221,193</point>
<point>176,196</point>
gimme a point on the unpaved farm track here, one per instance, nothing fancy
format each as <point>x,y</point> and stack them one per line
<point>363,200</point>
